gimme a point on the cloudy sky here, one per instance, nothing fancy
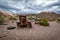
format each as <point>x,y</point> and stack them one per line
<point>30,6</point>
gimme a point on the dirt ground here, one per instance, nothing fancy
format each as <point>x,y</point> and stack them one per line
<point>37,32</point>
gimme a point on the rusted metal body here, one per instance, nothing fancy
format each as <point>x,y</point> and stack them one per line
<point>23,22</point>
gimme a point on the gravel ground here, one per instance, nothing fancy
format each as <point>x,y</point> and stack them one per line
<point>37,32</point>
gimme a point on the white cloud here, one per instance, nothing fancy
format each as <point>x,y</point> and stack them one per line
<point>47,3</point>
<point>39,2</point>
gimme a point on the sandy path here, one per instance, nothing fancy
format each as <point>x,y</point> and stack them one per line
<point>35,33</point>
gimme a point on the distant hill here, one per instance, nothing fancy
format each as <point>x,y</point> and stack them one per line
<point>6,15</point>
<point>48,15</point>
<point>2,13</point>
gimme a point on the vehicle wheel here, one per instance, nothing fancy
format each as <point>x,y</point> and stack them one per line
<point>29,25</point>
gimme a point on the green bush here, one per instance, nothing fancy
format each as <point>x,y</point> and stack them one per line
<point>44,22</point>
<point>1,19</point>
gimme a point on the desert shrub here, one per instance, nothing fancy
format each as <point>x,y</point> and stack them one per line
<point>30,18</point>
<point>58,20</point>
<point>44,22</point>
<point>1,19</point>
<point>13,18</point>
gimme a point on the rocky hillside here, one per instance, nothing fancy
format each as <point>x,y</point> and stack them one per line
<point>48,15</point>
<point>58,15</point>
<point>6,15</point>
<point>2,13</point>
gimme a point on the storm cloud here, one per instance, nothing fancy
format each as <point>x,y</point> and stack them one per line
<point>30,6</point>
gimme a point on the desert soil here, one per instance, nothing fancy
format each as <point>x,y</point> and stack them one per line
<point>37,32</point>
